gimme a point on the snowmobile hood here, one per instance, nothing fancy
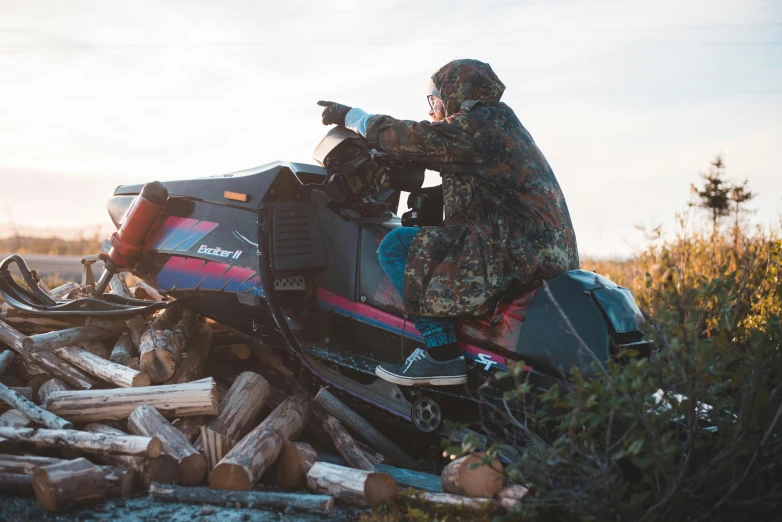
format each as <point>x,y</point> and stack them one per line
<point>466,80</point>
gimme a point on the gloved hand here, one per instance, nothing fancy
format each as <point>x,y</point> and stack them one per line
<point>334,113</point>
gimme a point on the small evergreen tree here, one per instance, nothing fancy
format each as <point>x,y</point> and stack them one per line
<point>715,195</point>
<point>739,195</point>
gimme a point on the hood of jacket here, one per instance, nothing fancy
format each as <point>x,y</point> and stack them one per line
<point>466,80</point>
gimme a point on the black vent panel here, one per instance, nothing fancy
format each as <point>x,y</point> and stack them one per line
<point>297,242</point>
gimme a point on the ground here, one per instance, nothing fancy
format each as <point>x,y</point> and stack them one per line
<point>143,509</point>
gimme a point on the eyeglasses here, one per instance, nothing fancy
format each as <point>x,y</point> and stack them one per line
<point>432,99</point>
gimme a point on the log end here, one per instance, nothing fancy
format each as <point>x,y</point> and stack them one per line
<point>380,488</point>
<point>159,365</point>
<point>289,470</point>
<point>155,448</point>
<point>230,476</point>
<point>193,469</point>
<point>469,476</point>
<point>44,490</point>
<point>142,379</point>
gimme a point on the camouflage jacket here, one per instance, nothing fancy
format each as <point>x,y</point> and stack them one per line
<point>507,227</point>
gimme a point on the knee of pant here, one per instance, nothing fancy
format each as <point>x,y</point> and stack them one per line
<point>392,248</point>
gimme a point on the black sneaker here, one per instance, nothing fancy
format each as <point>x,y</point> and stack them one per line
<point>421,370</point>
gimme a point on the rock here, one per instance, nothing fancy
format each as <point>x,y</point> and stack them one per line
<point>207,510</point>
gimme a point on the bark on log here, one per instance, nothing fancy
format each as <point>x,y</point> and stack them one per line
<point>69,484</point>
<point>238,352</point>
<point>345,444</point>
<point>215,446</point>
<point>163,469</point>
<point>449,499</point>
<point>31,411</point>
<point>24,391</point>
<point>360,426</point>
<point>255,453</point>
<point>50,386</point>
<point>136,325</point>
<point>6,359</point>
<point>510,497</point>
<point>351,485</point>
<point>193,362</point>
<point>246,499</point>
<point>15,483</point>
<point>69,337</point>
<point>114,373</point>
<point>241,407</point>
<point>15,419</point>
<point>461,478</point>
<point>176,400</point>
<point>12,337</point>
<point>119,286</point>
<point>35,384</point>
<point>49,363</point>
<point>151,291</point>
<point>123,350</point>
<point>296,459</point>
<point>150,447</point>
<point>119,481</point>
<point>61,291</point>
<point>147,421</point>
<point>160,345</point>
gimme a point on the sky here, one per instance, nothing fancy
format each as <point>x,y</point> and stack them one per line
<point>629,100</point>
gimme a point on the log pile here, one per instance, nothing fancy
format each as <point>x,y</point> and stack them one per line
<point>171,403</point>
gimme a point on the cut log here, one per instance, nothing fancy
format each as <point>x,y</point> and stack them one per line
<point>449,499</point>
<point>510,497</point>
<point>351,485</point>
<point>114,373</point>
<point>133,364</point>
<point>163,469</point>
<point>15,419</point>
<point>147,421</point>
<point>294,462</point>
<point>31,411</point>
<point>460,477</point>
<point>175,400</point>
<point>50,386</point>
<point>63,290</point>
<point>148,289</point>
<point>413,479</point>
<point>16,483</point>
<point>24,391</point>
<point>238,352</point>
<point>215,446</point>
<point>69,484</point>
<point>40,282</point>
<point>87,442</point>
<point>246,499</point>
<point>194,360</point>
<point>255,453</point>
<point>69,337</point>
<point>240,409</point>
<point>119,286</point>
<point>119,481</point>
<point>136,325</point>
<point>36,382</point>
<point>55,366</point>
<point>12,337</point>
<point>360,426</point>
<point>6,359</point>
<point>160,345</point>
<point>190,427</point>
<point>345,444</point>
<point>123,350</point>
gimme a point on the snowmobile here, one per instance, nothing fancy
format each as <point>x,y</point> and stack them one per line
<point>287,253</point>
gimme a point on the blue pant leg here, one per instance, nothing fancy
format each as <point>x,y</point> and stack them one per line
<point>392,255</point>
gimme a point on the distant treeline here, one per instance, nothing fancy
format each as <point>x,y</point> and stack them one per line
<point>54,246</point>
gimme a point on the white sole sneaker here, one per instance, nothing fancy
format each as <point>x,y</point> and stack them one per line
<point>420,381</point>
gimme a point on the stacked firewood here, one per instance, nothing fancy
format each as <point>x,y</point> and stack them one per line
<point>165,404</point>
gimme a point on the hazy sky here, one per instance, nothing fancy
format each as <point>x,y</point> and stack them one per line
<point>628,99</point>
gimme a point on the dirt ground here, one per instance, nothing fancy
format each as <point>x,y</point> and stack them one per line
<point>143,509</point>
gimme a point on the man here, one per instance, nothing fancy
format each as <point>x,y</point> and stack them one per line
<point>507,228</point>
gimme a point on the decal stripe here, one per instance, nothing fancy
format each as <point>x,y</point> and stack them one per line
<point>212,272</point>
<point>191,276</point>
<point>199,230</point>
<point>392,323</point>
<point>180,232</point>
